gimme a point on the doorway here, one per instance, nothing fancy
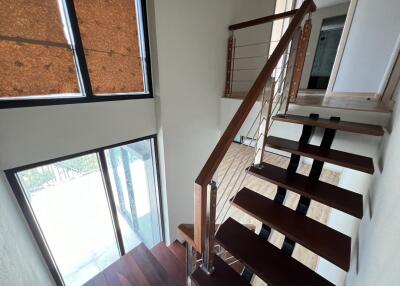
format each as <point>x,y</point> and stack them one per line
<point>328,42</point>
<point>86,210</point>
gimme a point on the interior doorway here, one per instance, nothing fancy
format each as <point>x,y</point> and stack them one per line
<point>328,42</point>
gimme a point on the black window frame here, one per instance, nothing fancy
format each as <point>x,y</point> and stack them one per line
<point>86,91</point>
<point>22,200</point>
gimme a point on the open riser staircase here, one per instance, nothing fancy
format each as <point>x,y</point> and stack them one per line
<point>214,234</point>
<point>259,256</point>
<point>218,250</point>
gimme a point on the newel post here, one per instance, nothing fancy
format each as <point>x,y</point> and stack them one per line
<point>265,117</point>
<point>300,59</point>
<point>200,201</point>
<point>204,225</point>
<point>229,65</point>
<point>208,253</point>
<point>290,70</point>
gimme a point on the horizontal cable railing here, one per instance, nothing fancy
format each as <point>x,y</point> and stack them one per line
<point>272,87</point>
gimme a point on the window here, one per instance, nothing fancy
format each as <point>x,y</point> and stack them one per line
<point>131,168</point>
<point>64,51</point>
<point>35,54</point>
<point>87,210</point>
<point>111,41</point>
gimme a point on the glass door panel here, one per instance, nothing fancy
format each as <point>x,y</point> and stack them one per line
<point>133,180</point>
<point>69,202</point>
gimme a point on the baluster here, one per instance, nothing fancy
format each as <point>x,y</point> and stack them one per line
<point>291,69</point>
<point>230,65</point>
<point>265,116</point>
<point>300,59</point>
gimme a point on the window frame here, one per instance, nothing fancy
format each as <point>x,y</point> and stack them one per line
<point>23,201</point>
<point>86,92</point>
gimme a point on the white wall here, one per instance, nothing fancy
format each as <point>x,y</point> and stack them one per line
<point>317,18</point>
<point>360,183</point>
<point>189,58</point>
<point>244,11</point>
<point>21,263</point>
<point>370,45</point>
<point>34,134</point>
<point>377,261</point>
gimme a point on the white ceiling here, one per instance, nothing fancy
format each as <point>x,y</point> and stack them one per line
<point>327,3</point>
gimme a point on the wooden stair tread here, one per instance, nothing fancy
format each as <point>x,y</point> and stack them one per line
<point>267,261</point>
<point>99,280</point>
<point>354,127</point>
<point>223,275</point>
<point>137,267</point>
<point>150,267</point>
<point>322,240</point>
<point>179,251</point>
<point>330,195</point>
<point>344,159</point>
<point>186,231</point>
<point>170,262</point>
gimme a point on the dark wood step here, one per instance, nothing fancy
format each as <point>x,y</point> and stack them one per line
<point>235,264</point>
<point>170,262</point>
<point>186,231</point>
<point>150,267</point>
<point>330,195</point>
<point>137,267</point>
<point>267,261</point>
<point>344,159</point>
<point>322,240</point>
<point>179,251</point>
<point>99,280</point>
<point>354,127</point>
<point>223,275</point>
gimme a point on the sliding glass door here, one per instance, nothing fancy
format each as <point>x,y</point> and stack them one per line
<point>132,173</point>
<point>88,210</point>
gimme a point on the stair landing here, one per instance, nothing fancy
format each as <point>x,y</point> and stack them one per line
<point>143,267</point>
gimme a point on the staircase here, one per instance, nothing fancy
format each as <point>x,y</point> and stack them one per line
<point>214,232</point>
<point>221,251</point>
<point>260,257</point>
<point>161,265</point>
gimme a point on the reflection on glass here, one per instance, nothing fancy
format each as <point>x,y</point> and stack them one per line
<point>35,52</point>
<point>69,202</point>
<point>112,38</point>
<point>132,171</point>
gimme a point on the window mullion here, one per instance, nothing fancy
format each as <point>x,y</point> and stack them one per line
<point>79,53</point>
<point>111,201</point>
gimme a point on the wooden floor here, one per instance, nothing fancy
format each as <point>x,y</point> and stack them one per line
<point>238,158</point>
<point>350,101</point>
<point>161,265</point>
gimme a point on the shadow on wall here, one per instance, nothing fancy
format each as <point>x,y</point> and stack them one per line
<point>378,236</point>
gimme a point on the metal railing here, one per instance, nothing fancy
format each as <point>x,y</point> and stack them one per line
<point>271,89</point>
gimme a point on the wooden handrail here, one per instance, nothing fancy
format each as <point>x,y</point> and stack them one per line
<point>263,20</point>
<point>234,126</point>
<point>210,167</point>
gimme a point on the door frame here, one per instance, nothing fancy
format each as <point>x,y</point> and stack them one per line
<point>343,41</point>
<point>24,204</point>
